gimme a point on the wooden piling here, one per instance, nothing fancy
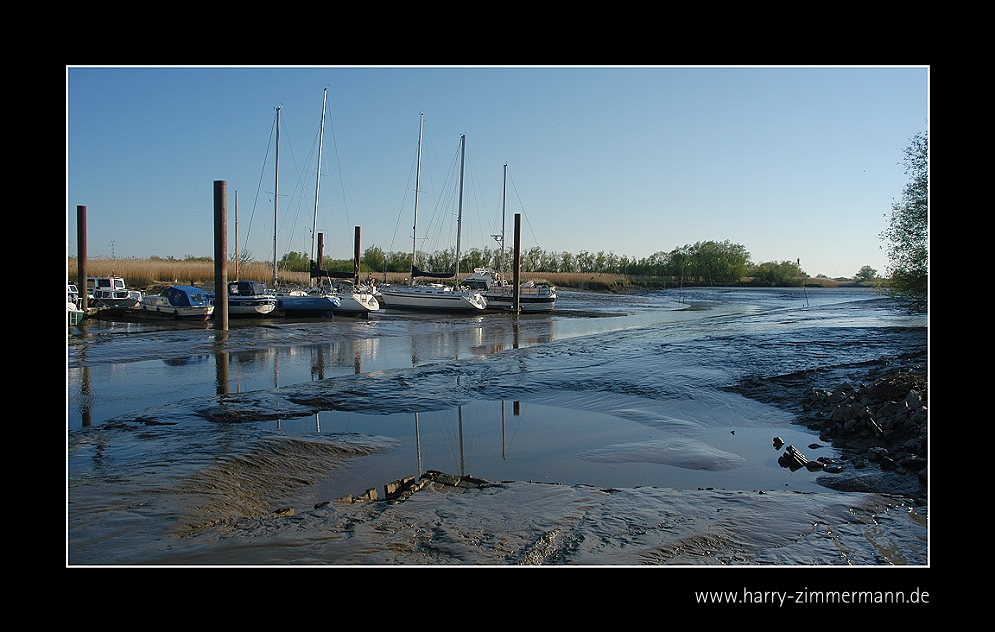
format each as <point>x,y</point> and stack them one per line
<point>81,253</point>
<point>355,256</point>
<point>221,255</point>
<point>516,303</point>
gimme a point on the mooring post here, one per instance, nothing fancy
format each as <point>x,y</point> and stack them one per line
<point>516,305</point>
<point>355,257</point>
<point>81,254</point>
<point>221,255</point>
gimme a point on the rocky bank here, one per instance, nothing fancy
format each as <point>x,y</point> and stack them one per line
<point>881,425</point>
<point>876,415</point>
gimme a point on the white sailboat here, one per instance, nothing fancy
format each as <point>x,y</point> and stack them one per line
<point>434,296</point>
<point>301,303</point>
<point>351,298</point>
<point>499,291</point>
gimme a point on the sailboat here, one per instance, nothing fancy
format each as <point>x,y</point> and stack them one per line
<point>434,296</point>
<point>499,292</point>
<point>353,298</point>
<point>301,303</point>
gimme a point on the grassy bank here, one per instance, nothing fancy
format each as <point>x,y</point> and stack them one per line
<point>154,274</point>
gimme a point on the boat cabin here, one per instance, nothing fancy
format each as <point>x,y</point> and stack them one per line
<point>248,288</point>
<point>108,287</point>
<point>186,296</point>
<point>178,296</point>
<point>483,279</point>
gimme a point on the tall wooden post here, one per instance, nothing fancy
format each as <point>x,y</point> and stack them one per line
<point>221,255</point>
<point>516,304</point>
<point>355,256</point>
<point>81,253</point>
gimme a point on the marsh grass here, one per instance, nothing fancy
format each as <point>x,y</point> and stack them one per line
<point>154,274</point>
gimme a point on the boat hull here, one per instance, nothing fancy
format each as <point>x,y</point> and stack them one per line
<point>251,307</point>
<point>357,304</point>
<point>500,294</point>
<point>178,302</point>
<point>526,302</point>
<point>75,314</point>
<point>178,313</point>
<point>433,298</point>
<point>308,306</point>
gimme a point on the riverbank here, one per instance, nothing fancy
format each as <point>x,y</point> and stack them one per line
<point>877,418</point>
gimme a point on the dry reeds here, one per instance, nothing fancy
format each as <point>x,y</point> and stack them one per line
<point>150,274</point>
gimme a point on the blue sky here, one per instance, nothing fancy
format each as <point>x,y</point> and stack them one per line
<point>790,162</point>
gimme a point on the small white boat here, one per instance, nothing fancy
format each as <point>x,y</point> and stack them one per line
<point>110,291</point>
<point>250,298</point>
<point>76,313</point>
<point>179,301</point>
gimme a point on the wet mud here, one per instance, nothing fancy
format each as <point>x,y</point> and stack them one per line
<point>674,465</point>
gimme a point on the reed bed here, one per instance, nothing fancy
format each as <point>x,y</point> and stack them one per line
<point>153,274</point>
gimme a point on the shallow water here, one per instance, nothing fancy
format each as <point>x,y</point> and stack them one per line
<point>177,433</point>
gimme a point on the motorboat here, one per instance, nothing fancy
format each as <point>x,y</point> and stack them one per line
<point>179,301</point>
<point>250,298</point>
<point>111,291</point>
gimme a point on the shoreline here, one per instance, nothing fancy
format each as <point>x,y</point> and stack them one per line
<point>876,416</point>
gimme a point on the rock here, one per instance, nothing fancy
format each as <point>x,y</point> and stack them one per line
<point>876,454</point>
<point>792,459</point>
<point>913,463</point>
<point>883,423</point>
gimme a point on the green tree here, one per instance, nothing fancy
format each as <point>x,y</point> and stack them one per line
<point>374,259</point>
<point>777,273</point>
<point>865,274</point>
<point>907,234</point>
<point>295,262</point>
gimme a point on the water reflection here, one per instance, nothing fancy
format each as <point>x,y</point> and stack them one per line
<point>519,440</point>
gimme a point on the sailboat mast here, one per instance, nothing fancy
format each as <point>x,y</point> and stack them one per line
<point>414,228</point>
<point>459,218</point>
<point>317,179</point>
<point>236,234</point>
<point>276,194</point>
<point>504,205</point>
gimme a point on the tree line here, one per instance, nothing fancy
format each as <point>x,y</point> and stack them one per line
<point>705,262</point>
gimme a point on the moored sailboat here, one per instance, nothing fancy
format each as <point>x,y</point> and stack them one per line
<point>499,292</point>
<point>322,300</point>
<point>435,296</point>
